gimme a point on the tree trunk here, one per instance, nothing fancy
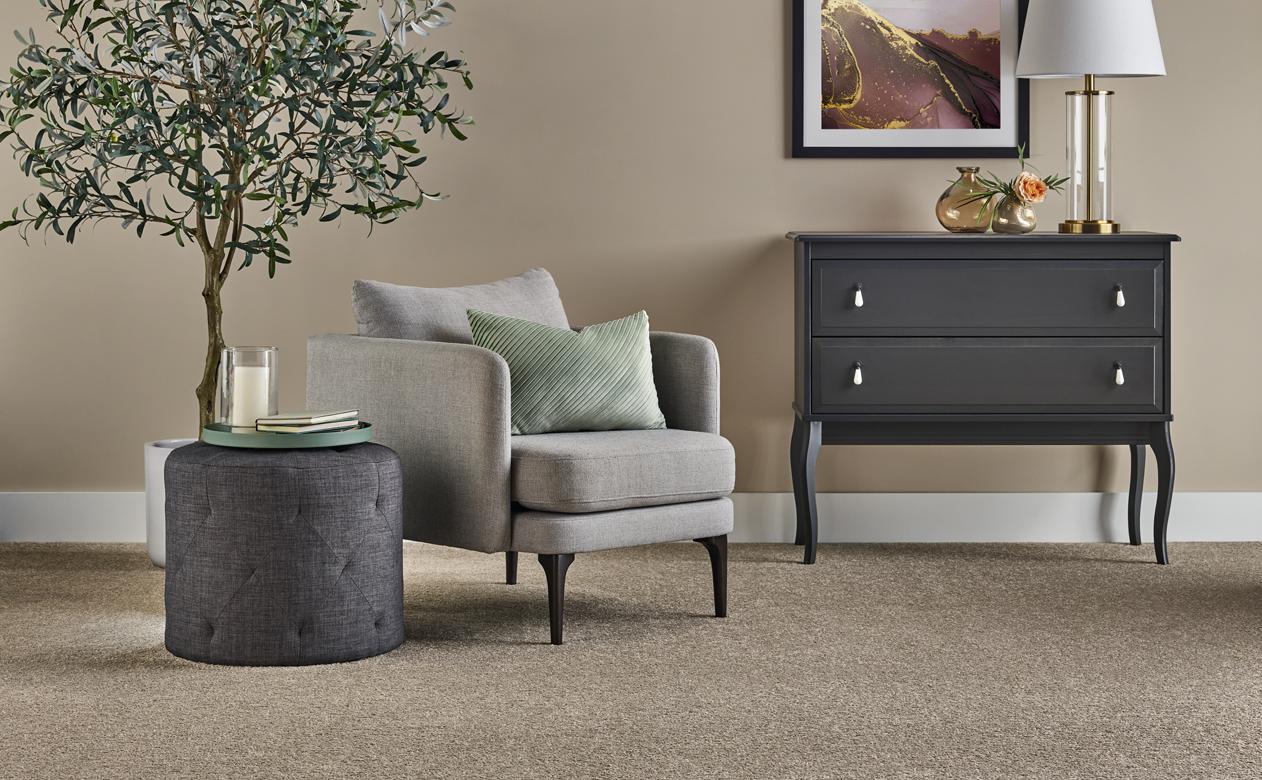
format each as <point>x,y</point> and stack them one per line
<point>215,343</point>
<point>218,265</point>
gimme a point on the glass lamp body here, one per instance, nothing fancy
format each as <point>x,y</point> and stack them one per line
<point>1088,160</point>
<point>248,388</point>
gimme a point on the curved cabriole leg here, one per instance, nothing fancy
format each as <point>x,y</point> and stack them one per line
<point>797,455</point>
<point>1163,451</point>
<point>554,568</point>
<point>510,567</point>
<point>1138,456</point>
<point>717,547</point>
<point>812,433</point>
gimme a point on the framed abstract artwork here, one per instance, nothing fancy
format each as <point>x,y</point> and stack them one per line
<point>908,78</point>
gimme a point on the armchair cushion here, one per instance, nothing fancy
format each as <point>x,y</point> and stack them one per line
<point>598,472</point>
<point>390,311</point>
<point>600,379</point>
<point>552,532</point>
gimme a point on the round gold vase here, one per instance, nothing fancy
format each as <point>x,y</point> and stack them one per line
<point>958,216</point>
<point>1014,216</point>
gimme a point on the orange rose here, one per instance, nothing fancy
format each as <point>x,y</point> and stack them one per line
<point>1030,188</point>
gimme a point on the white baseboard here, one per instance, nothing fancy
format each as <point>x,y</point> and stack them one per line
<point>72,517</point>
<point>996,517</point>
<point>769,517</point>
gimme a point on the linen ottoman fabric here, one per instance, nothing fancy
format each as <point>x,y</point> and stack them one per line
<point>283,557</point>
<point>552,533</point>
<point>598,472</point>
<point>598,379</point>
<point>438,314</point>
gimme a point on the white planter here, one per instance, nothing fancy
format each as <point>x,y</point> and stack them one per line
<point>156,453</point>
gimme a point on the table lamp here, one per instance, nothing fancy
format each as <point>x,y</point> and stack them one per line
<point>1095,39</point>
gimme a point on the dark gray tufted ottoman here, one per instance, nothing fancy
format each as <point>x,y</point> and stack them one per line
<point>283,557</point>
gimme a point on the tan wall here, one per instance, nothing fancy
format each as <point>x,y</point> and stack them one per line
<point>638,152</point>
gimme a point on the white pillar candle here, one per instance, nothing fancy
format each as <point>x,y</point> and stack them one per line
<point>249,395</point>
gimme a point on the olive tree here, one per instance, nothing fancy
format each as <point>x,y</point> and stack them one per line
<point>225,122</point>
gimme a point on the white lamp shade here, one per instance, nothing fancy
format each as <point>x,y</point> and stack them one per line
<point>1105,38</point>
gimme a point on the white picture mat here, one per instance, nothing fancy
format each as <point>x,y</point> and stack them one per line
<point>1004,136</point>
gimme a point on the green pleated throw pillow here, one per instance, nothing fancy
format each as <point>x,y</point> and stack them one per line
<point>600,379</point>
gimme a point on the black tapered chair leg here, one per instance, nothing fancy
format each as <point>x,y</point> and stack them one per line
<point>717,547</point>
<point>554,568</point>
<point>510,567</point>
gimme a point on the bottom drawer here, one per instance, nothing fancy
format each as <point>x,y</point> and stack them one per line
<point>963,375</point>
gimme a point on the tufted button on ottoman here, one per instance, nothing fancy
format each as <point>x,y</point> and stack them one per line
<point>283,557</point>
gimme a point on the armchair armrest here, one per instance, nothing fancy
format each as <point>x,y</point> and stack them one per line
<point>686,373</point>
<point>445,409</point>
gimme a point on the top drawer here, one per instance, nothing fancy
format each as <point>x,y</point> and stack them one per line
<point>984,297</point>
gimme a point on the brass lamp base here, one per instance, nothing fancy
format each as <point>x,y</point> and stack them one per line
<point>1096,226</point>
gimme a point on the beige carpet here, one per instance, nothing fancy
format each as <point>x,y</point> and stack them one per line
<point>882,661</point>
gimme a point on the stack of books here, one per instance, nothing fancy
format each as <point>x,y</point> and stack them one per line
<point>310,421</point>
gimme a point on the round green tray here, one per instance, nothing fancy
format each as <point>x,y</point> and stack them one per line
<point>223,436</point>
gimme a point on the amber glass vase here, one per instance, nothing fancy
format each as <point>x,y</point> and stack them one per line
<point>1014,216</point>
<point>958,216</point>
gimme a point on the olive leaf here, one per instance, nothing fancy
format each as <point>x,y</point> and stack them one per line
<point>246,116</point>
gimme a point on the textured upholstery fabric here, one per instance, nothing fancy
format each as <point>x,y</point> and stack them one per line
<point>444,408</point>
<point>600,379</point>
<point>438,314</point>
<point>551,532</point>
<point>686,374</point>
<point>283,557</point>
<point>597,472</point>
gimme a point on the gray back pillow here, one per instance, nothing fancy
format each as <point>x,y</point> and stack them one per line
<point>389,311</point>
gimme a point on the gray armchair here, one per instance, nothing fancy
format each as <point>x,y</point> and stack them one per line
<point>444,407</point>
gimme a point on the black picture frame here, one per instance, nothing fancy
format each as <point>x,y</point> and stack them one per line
<point>806,149</point>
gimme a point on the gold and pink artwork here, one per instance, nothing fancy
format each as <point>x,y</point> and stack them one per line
<point>910,64</point>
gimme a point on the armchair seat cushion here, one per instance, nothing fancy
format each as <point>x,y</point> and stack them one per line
<point>609,470</point>
<point>557,532</point>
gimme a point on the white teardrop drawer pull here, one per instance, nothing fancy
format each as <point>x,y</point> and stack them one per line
<point>858,373</point>
<point>858,297</point>
<point>1121,299</point>
<point>1121,380</point>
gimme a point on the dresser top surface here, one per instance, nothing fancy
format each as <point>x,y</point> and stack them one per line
<point>927,236</point>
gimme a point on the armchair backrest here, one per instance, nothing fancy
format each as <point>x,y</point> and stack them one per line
<point>391,311</point>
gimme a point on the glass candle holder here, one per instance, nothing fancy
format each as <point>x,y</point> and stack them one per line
<point>248,388</point>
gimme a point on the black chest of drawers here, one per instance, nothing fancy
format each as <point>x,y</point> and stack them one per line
<point>932,338</point>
